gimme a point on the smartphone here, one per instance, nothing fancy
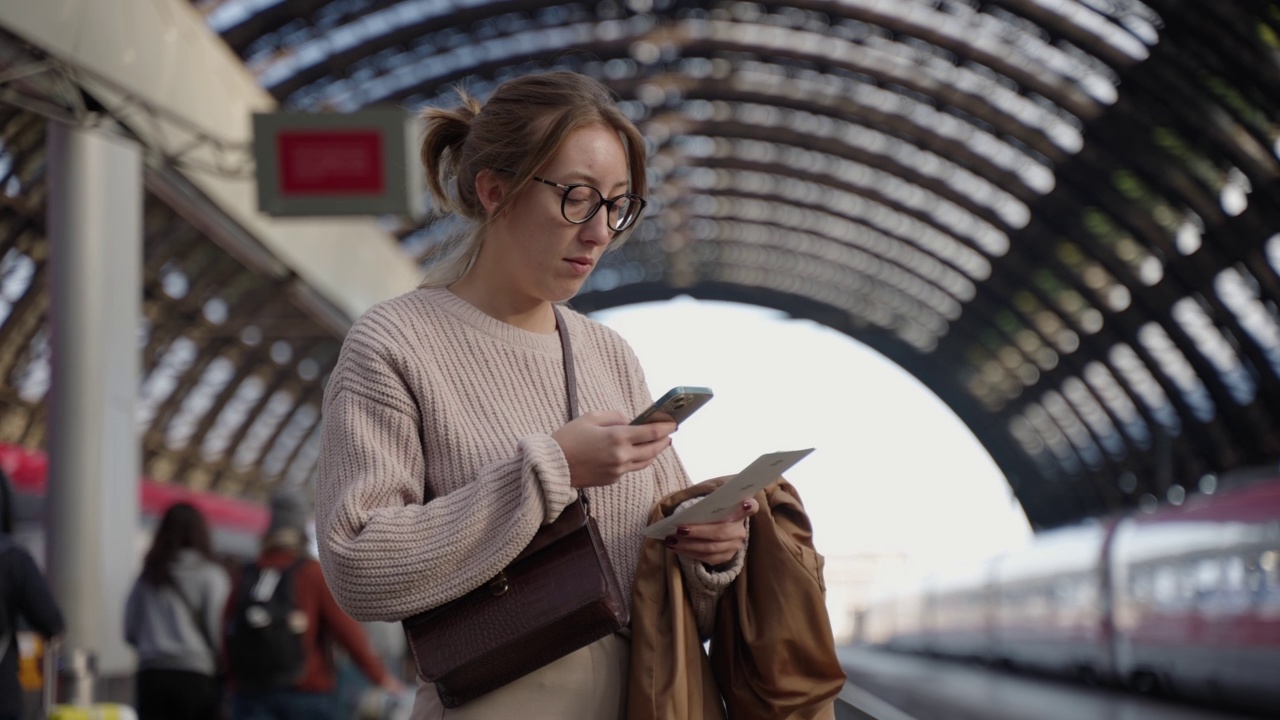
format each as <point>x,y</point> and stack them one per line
<point>679,403</point>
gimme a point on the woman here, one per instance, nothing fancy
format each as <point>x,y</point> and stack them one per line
<point>447,442</point>
<point>173,617</point>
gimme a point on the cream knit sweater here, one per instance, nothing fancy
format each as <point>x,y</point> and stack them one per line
<point>431,395</point>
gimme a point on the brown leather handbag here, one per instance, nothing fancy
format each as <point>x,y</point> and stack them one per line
<point>559,594</point>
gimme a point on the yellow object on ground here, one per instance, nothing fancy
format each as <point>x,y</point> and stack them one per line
<point>99,711</point>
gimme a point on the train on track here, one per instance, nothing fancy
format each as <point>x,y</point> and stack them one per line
<point>1184,600</point>
<point>236,525</point>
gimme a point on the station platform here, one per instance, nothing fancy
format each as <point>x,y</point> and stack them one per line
<point>896,686</point>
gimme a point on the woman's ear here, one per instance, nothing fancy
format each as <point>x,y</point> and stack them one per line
<point>491,190</point>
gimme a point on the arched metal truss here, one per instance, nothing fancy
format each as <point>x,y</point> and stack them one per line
<point>1063,216</point>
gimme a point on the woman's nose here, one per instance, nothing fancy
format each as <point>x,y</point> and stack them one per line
<point>596,231</point>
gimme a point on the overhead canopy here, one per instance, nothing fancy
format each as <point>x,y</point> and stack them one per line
<point>1061,216</point>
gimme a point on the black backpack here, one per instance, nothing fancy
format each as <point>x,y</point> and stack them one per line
<point>265,630</point>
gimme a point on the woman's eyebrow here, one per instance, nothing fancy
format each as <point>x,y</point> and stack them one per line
<point>585,179</point>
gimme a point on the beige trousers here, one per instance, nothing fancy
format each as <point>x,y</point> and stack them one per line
<point>589,684</point>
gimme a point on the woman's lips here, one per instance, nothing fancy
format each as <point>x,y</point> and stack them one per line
<point>581,265</point>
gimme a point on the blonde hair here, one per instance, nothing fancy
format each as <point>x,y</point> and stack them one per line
<point>519,129</point>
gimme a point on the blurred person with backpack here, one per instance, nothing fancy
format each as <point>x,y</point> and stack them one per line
<point>173,619</point>
<point>281,623</point>
<point>24,595</point>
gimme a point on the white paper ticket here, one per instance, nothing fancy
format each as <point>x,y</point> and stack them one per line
<point>721,503</point>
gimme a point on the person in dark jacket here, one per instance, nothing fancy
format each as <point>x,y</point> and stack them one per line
<point>24,595</point>
<point>311,696</point>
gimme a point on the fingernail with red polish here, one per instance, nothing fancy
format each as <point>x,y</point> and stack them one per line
<point>682,531</point>
<point>671,541</point>
<point>746,505</point>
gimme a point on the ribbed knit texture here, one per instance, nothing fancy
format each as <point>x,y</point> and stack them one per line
<point>431,395</point>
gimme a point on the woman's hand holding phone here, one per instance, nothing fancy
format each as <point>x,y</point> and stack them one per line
<point>601,446</point>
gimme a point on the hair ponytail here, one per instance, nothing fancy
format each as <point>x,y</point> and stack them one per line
<point>443,154</point>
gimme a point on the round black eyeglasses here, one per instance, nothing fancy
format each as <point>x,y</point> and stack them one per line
<point>581,202</point>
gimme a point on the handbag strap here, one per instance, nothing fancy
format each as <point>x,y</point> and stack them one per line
<point>570,383</point>
<point>194,613</point>
<point>570,379</point>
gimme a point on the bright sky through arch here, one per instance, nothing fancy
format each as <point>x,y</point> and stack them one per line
<point>894,471</point>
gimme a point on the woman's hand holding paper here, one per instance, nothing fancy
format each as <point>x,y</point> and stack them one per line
<point>714,543</point>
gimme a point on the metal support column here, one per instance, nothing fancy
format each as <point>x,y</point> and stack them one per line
<point>95,262</point>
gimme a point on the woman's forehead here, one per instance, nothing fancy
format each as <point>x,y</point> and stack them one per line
<point>592,154</point>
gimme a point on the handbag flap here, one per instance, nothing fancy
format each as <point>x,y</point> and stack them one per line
<point>572,518</point>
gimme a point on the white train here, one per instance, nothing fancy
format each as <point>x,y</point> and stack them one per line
<point>1184,600</point>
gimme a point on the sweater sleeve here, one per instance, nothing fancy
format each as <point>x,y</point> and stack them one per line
<point>387,554</point>
<point>34,600</point>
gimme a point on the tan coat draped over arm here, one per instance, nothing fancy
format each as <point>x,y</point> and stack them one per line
<point>772,649</point>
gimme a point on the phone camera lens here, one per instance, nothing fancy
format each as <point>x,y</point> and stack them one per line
<point>679,403</point>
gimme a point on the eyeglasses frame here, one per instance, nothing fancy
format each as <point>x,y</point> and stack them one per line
<point>564,199</point>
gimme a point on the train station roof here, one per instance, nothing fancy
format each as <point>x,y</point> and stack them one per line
<point>1062,216</point>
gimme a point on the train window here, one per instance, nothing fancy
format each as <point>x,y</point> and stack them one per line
<point>1234,594</point>
<point>1256,579</point>
<point>1269,562</point>
<point>1233,574</point>
<point>1188,585</point>
<point>1207,575</point>
<point>1140,585</point>
<point>1165,586</point>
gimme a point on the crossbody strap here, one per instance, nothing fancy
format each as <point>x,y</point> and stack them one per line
<point>570,382</point>
<point>195,616</point>
<point>570,379</point>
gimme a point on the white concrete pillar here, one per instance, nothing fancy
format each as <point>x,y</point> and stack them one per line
<point>95,261</point>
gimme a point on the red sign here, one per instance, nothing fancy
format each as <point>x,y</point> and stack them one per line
<point>331,162</point>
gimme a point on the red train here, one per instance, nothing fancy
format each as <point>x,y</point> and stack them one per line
<point>1184,600</point>
<point>236,525</point>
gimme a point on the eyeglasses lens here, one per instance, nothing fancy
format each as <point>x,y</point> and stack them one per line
<point>581,203</point>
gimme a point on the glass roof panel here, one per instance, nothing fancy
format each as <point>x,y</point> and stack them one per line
<point>837,204</point>
<point>1216,348</point>
<point>1053,437</point>
<point>978,190</point>
<point>17,270</point>
<point>1065,417</point>
<point>301,422</point>
<point>1139,377</point>
<point>34,371</point>
<point>232,417</point>
<point>160,383</point>
<point>1088,409</point>
<point>1175,366</point>
<point>224,14</point>
<point>1241,294</point>
<point>198,401</point>
<point>1104,384</point>
<point>250,449</point>
<point>874,214</point>
<point>872,181</point>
